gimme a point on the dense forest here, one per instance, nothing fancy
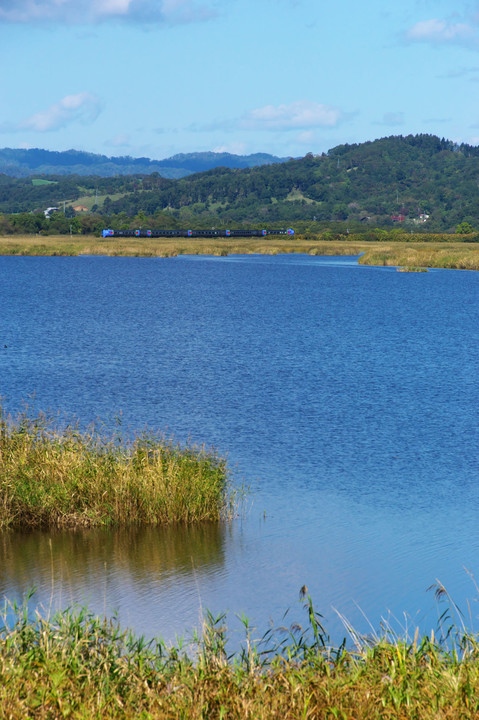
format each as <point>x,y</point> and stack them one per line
<point>420,182</point>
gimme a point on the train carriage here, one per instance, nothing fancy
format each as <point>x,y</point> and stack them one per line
<point>108,232</point>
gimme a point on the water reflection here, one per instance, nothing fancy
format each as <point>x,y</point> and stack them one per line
<point>112,570</point>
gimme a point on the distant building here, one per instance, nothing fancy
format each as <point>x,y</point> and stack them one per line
<point>80,208</point>
<point>49,211</point>
<point>423,217</point>
<point>398,218</point>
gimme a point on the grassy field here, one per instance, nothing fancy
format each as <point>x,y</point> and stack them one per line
<point>52,477</point>
<point>75,665</point>
<point>412,253</point>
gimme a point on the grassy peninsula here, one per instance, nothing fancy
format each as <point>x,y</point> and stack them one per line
<point>75,665</point>
<point>62,477</point>
<point>440,251</point>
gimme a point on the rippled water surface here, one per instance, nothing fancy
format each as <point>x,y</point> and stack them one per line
<point>345,396</point>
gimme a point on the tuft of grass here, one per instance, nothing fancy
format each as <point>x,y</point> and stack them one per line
<point>79,666</point>
<point>51,477</point>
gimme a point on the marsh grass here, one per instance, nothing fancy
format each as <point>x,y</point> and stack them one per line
<point>79,666</point>
<point>51,477</point>
<point>410,250</point>
<point>169,247</point>
<point>460,256</point>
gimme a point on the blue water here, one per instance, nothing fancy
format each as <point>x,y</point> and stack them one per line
<point>345,396</point>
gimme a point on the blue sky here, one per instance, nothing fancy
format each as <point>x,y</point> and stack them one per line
<point>157,77</point>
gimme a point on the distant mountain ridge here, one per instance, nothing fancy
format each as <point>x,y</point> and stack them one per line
<point>23,163</point>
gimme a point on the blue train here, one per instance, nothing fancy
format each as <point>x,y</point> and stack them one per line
<point>194,233</point>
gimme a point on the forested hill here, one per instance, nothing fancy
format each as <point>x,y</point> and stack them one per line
<point>419,182</point>
<point>23,163</point>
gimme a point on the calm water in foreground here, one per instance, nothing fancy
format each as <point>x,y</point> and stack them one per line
<point>346,397</point>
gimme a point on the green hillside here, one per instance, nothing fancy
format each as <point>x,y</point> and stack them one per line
<point>419,182</point>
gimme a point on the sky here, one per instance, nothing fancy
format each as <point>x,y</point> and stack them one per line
<point>154,78</point>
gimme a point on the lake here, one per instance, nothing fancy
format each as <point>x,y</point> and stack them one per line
<point>345,396</point>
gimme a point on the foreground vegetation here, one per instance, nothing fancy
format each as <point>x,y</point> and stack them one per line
<point>51,477</point>
<point>78,666</point>
<point>440,251</point>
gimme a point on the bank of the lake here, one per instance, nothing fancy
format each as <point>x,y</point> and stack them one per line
<point>77,665</point>
<point>54,477</point>
<point>439,251</point>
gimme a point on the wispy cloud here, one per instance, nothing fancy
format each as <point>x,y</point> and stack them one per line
<point>82,107</point>
<point>85,12</point>
<point>301,114</point>
<point>119,141</point>
<point>235,148</point>
<point>306,137</point>
<point>469,73</point>
<point>185,11</point>
<point>437,120</point>
<point>391,119</point>
<point>438,31</point>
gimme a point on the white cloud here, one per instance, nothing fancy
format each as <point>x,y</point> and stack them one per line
<point>82,107</point>
<point>441,31</point>
<point>84,12</point>
<point>301,114</point>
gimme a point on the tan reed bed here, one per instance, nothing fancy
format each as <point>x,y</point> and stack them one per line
<point>440,251</point>
<point>460,256</point>
<point>169,247</point>
<point>52,477</point>
<point>74,665</point>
